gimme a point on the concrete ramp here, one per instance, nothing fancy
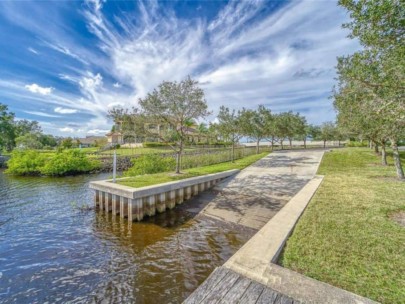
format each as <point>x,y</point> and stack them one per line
<point>254,195</point>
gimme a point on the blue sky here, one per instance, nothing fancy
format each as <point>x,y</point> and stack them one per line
<point>65,63</point>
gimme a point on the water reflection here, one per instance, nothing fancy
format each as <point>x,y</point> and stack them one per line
<point>51,251</point>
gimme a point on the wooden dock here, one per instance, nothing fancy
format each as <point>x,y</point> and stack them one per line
<point>227,286</point>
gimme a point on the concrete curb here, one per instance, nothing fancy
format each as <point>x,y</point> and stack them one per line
<point>266,245</point>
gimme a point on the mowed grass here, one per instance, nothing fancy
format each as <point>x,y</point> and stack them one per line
<point>346,236</point>
<point>158,178</point>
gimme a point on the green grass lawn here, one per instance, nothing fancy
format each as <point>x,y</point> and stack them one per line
<point>158,178</point>
<point>346,236</point>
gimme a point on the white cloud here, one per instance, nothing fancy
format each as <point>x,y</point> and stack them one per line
<point>91,82</point>
<point>65,110</point>
<point>34,88</point>
<point>115,104</point>
<point>67,130</point>
<point>32,50</point>
<point>37,113</point>
<point>97,132</point>
<point>247,55</point>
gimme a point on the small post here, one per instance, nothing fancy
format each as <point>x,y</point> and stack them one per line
<point>114,166</point>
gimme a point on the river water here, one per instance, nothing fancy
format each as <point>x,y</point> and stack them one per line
<point>53,251</point>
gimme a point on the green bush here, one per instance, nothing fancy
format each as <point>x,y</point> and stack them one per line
<point>156,144</point>
<point>69,162</point>
<point>356,144</point>
<point>25,162</point>
<point>151,163</point>
<point>30,162</point>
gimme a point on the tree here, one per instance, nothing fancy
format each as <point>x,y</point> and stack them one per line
<point>48,140</point>
<point>29,141</point>
<point>375,75</point>
<point>7,130</point>
<point>174,104</point>
<point>285,127</point>
<point>229,126</point>
<point>24,126</point>
<point>67,143</point>
<point>300,128</point>
<point>132,122</point>
<point>254,124</point>
<point>203,130</point>
<point>328,132</point>
<point>314,132</point>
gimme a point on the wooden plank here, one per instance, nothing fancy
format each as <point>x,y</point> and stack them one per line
<point>252,293</point>
<point>220,289</point>
<point>268,296</point>
<point>236,291</point>
<point>282,299</point>
<point>204,289</point>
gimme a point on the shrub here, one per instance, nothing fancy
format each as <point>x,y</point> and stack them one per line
<point>356,144</point>
<point>151,163</point>
<point>69,162</point>
<point>27,162</point>
<point>156,144</point>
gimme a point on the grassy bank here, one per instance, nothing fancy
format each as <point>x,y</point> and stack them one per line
<point>158,178</point>
<point>346,237</point>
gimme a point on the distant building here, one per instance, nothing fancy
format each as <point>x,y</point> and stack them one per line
<point>153,132</point>
<point>115,137</point>
<point>89,141</point>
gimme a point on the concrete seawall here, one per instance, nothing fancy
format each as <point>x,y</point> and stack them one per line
<point>136,203</point>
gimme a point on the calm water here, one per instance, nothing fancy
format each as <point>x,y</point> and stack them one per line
<point>51,251</point>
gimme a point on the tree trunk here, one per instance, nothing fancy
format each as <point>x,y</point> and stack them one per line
<point>233,152</point>
<point>339,143</point>
<point>281,142</point>
<point>178,158</point>
<point>178,162</point>
<point>290,143</point>
<point>257,146</point>
<point>375,148</point>
<point>272,144</point>
<point>324,144</point>
<point>305,143</point>
<point>397,160</point>
<point>383,155</point>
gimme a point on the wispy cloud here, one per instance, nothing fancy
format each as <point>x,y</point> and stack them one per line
<point>37,113</point>
<point>32,50</point>
<point>248,53</point>
<point>97,132</point>
<point>65,110</point>
<point>67,130</point>
<point>35,88</point>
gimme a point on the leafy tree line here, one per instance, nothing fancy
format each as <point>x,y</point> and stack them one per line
<point>262,124</point>
<point>22,133</point>
<point>369,96</point>
<point>172,108</point>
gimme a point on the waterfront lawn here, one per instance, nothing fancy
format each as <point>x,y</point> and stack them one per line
<point>346,237</point>
<point>158,178</point>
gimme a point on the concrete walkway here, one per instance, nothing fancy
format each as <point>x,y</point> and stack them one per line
<point>253,196</point>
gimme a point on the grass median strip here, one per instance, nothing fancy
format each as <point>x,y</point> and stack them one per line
<point>347,236</point>
<point>159,178</point>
